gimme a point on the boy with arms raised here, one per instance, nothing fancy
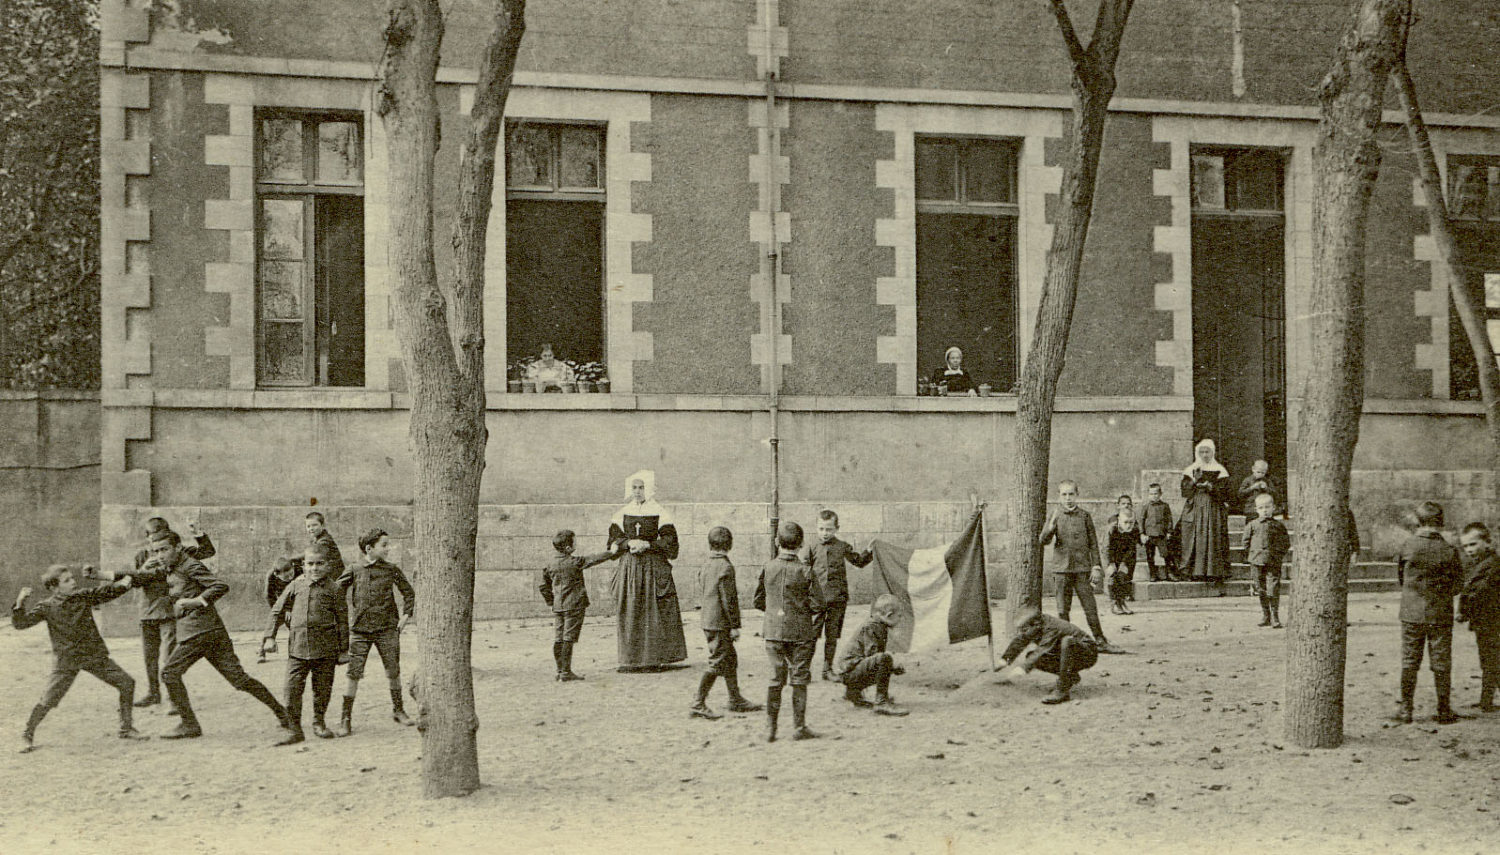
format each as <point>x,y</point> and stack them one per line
<point>76,644</point>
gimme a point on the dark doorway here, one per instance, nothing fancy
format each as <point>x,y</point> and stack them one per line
<point>1239,339</point>
<point>554,279</point>
<point>341,289</point>
<point>966,295</point>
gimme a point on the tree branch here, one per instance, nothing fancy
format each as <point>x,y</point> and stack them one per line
<point>1076,53</point>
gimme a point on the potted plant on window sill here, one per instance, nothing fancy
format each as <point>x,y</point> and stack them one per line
<point>519,381</point>
<point>591,377</point>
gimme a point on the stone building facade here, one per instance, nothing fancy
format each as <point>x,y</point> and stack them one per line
<point>880,174</point>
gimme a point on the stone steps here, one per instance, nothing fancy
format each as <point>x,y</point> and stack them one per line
<point>1241,588</point>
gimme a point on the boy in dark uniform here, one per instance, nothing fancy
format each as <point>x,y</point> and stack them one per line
<point>76,644</point>
<point>563,588</point>
<point>1267,544</point>
<point>827,558</point>
<point>1156,528</point>
<point>287,568</point>
<point>1479,606</point>
<point>1060,648</point>
<point>373,622</point>
<point>721,628</point>
<point>788,593</point>
<point>158,627</point>
<point>1431,576</point>
<point>318,533</point>
<point>200,632</point>
<point>864,661</point>
<point>1075,557</point>
<point>317,622</point>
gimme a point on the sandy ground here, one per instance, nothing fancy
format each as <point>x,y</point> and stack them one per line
<point>1176,748</point>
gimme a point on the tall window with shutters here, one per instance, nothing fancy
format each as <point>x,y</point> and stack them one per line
<point>309,227</point>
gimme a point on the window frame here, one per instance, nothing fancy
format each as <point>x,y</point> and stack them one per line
<point>557,191</point>
<point>1226,153</point>
<point>961,204</point>
<point>307,191</point>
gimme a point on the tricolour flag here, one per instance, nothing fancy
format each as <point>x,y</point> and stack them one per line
<point>943,595</point>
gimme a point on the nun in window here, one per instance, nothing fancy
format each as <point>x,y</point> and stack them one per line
<point>650,620</point>
<point>953,375</point>
<point>548,372</point>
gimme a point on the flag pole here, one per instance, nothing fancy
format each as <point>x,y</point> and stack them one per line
<point>985,569</point>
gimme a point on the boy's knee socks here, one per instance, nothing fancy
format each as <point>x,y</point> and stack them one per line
<point>799,706</point>
<point>705,683</point>
<point>38,713</point>
<point>557,647</point>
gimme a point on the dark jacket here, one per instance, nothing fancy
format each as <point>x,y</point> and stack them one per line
<point>1077,549</point>
<point>1047,634</point>
<point>869,640</point>
<point>562,582</point>
<point>1156,519</point>
<point>828,563</point>
<point>1479,604</point>
<point>372,596</point>
<point>1431,576</point>
<point>788,593</point>
<point>335,557</point>
<point>721,600</point>
<point>1266,542</point>
<point>316,616</point>
<point>156,600</point>
<point>1250,488</point>
<point>70,622</point>
<point>186,579</point>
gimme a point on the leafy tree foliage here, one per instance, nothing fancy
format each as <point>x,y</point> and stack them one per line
<point>49,194</point>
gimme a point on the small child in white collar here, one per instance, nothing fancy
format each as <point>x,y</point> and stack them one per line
<point>1124,535</point>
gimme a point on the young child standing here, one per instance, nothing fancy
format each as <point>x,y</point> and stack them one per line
<point>864,661</point>
<point>827,558</point>
<point>1156,528</point>
<point>1124,539</point>
<point>1075,557</point>
<point>788,593</point>
<point>317,532</point>
<point>1430,576</point>
<point>1266,546</point>
<point>374,622</point>
<point>76,644</point>
<point>1061,648</point>
<point>281,574</point>
<point>158,627</point>
<point>317,621</point>
<point>1479,606</point>
<point>721,628</point>
<point>563,589</point>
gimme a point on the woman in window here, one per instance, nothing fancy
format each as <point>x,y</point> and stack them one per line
<point>650,620</point>
<point>953,377</point>
<point>548,373</point>
<point>1204,528</point>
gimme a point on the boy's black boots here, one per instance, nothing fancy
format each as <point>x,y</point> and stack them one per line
<point>1265,610</point>
<point>38,713</point>
<point>700,709</point>
<point>565,671</point>
<point>557,657</point>
<point>737,701</point>
<point>1443,680</point>
<point>773,711</point>
<point>346,718</point>
<point>1408,695</point>
<point>398,712</point>
<point>799,714</point>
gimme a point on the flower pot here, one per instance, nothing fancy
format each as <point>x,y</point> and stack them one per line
<point>984,390</point>
<point>568,387</point>
<point>585,385</point>
<point>513,386</point>
<point>528,386</point>
<point>602,384</point>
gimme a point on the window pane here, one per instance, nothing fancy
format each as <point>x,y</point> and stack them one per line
<point>1492,193</point>
<point>1256,177</point>
<point>1468,189</point>
<point>1492,290</point>
<point>988,169</point>
<point>339,155</point>
<point>529,157</point>
<point>1208,181</point>
<point>937,171</point>
<point>281,150</point>
<point>283,355</point>
<point>281,229</point>
<point>1493,328</point>
<point>580,158</point>
<point>281,290</point>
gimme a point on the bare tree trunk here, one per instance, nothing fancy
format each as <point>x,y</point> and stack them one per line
<point>443,353</point>
<point>1093,84</point>
<point>1346,161</point>
<point>1441,229</point>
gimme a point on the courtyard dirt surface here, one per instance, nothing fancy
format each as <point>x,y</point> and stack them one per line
<point>1177,747</point>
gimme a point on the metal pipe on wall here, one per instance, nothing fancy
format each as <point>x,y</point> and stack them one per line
<point>772,190</point>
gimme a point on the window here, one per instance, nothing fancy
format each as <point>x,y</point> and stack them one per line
<point>967,218</point>
<point>554,225</point>
<point>1474,207</point>
<point>1474,188</point>
<point>309,187</point>
<point>1237,180</point>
